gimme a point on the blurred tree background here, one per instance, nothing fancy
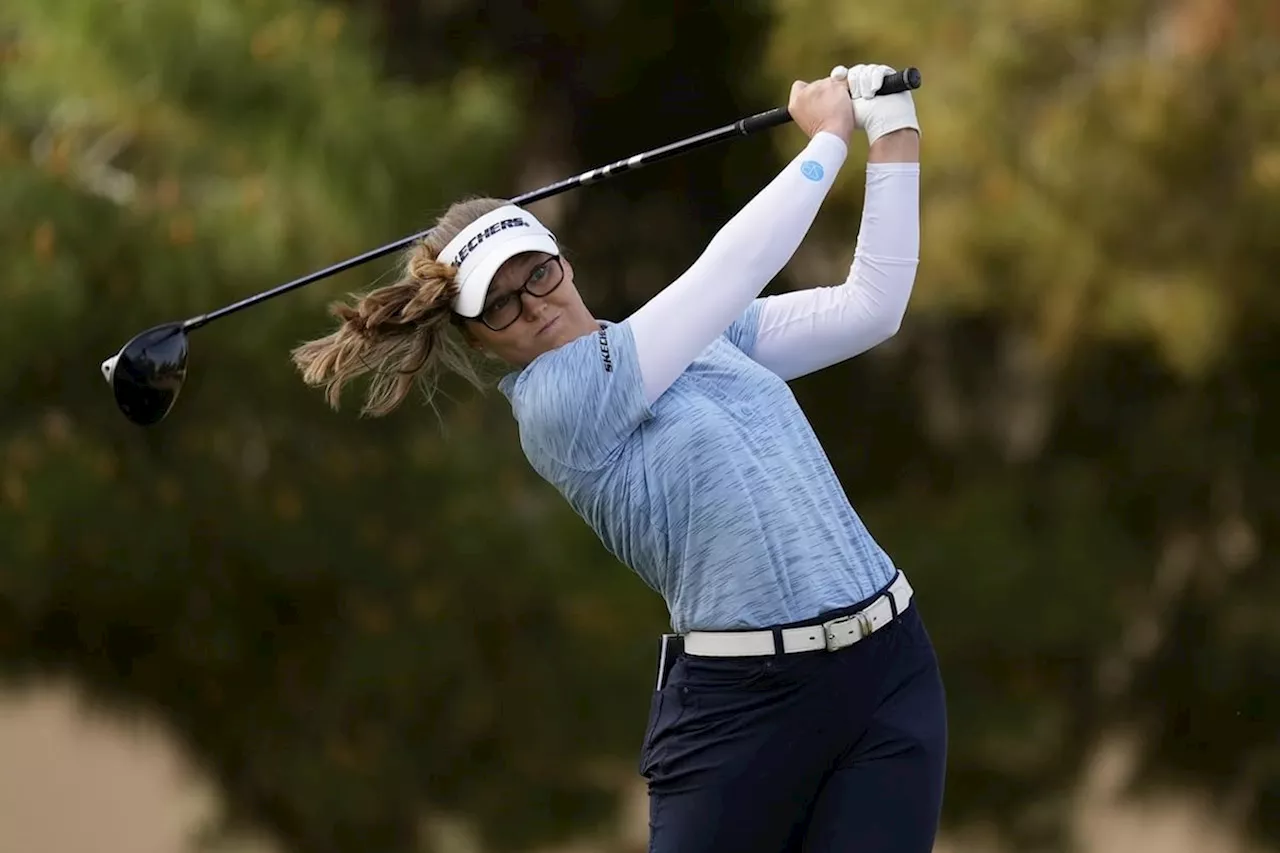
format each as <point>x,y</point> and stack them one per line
<point>1073,446</point>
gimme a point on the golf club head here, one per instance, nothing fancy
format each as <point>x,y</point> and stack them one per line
<point>148,372</point>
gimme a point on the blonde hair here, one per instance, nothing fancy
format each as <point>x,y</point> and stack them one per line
<point>403,334</point>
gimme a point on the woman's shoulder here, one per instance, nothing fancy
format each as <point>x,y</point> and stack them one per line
<point>579,402</point>
<point>554,368</point>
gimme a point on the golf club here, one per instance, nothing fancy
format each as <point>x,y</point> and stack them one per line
<point>147,373</point>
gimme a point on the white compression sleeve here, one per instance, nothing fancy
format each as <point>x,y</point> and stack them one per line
<point>807,330</point>
<point>682,320</point>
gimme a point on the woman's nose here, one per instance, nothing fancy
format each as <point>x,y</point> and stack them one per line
<point>532,306</point>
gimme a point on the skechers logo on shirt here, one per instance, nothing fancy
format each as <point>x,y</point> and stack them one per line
<point>604,351</point>
<point>812,170</point>
<point>472,244</point>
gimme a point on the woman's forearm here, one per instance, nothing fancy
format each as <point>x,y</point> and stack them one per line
<point>745,255</point>
<point>807,330</point>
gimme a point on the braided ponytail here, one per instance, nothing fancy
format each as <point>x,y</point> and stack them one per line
<point>402,334</point>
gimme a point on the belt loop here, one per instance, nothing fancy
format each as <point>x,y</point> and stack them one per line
<point>778,645</point>
<point>893,599</point>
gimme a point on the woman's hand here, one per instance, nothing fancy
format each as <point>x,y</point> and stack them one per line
<point>822,105</point>
<point>887,119</point>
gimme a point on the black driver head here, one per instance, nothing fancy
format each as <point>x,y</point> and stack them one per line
<point>148,372</point>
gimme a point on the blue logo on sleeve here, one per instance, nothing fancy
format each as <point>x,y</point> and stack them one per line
<point>812,170</point>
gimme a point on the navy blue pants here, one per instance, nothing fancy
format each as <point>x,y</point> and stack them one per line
<point>815,752</point>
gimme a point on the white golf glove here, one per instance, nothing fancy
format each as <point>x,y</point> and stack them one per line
<point>877,115</point>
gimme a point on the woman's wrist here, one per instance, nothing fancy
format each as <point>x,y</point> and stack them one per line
<point>898,146</point>
<point>830,144</point>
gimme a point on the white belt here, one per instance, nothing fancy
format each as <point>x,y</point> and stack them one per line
<point>831,635</point>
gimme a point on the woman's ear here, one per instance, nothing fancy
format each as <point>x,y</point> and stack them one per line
<point>471,340</point>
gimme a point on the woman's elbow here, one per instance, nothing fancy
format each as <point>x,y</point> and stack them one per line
<point>883,332</point>
<point>888,323</point>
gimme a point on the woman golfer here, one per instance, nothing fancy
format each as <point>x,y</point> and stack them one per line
<point>798,703</point>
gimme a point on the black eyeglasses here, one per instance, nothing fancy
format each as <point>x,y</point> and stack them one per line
<point>507,308</point>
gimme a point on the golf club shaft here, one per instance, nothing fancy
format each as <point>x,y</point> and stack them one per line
<point>900,81</point>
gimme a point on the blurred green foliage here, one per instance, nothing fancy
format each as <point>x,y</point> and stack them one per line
<point>1073,446</point>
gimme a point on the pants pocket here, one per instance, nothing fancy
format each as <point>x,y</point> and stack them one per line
<point>665,710</point>
<point>702,675</point>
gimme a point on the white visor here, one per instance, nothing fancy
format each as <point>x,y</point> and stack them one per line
<point>485,245</point>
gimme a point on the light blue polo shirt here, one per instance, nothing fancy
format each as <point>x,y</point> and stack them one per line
<point>718,496</point>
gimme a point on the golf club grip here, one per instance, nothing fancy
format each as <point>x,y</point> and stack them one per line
<point>898,81</point>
